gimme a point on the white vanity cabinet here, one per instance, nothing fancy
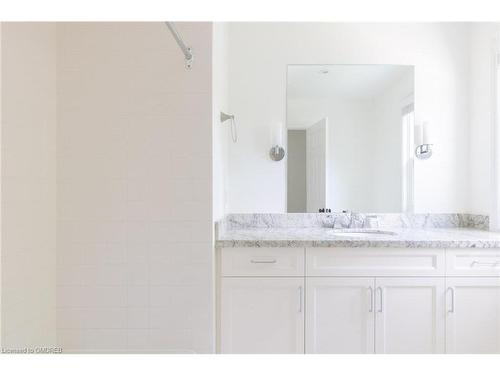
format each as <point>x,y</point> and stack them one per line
<point>262,315</point>
<point>359,300</point>
<point>473,301</point>
<point>410,315</point>
<point>473,315</point>
<point>398,309</point>
<point>261,300</point>
<point>340,315</point>
<point>375,315</point>
<point>382,261</point>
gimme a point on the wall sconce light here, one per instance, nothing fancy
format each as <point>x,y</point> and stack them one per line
<point>423,140</point>
<point>277,151</point>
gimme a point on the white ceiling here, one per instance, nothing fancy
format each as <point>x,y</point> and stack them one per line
<point>349,81</point>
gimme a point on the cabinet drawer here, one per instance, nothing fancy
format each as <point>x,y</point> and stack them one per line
<point>337,261</point>
<point>473,262</point>
<point>262,261</point>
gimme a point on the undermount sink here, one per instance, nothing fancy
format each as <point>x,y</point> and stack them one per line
<point>361,232</point>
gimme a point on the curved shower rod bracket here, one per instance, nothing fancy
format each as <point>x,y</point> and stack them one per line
<point>188,53</point>
<point>188,63</point>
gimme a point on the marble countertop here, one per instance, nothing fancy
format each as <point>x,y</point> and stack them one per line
<point>327,237</point>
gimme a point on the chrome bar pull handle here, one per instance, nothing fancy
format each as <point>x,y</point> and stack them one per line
<point>381,306</point>
<point>484,264</point>
<point>266,261</point>
<point>371,299</point>
<point>300,299</point>
<point>452,308</point>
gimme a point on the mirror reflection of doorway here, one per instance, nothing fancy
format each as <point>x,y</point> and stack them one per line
<point>316,150</point>
<point>307,167</point>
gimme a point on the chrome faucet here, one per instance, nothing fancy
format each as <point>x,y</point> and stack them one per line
<point>343,219</point>
<point>370,220</point>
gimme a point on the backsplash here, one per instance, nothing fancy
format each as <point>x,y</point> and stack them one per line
<point>353,220</point>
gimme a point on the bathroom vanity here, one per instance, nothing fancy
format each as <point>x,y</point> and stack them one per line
<point>309,282</point>
<point>322,290</point>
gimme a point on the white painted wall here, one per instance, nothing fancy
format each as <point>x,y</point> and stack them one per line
<point>28,170</point>
<point>258,58</point>
<point>135,254</point>
<point>482,44</point>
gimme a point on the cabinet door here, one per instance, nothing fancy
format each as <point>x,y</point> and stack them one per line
<point>262,315</point>
<point>410,315</point>
<point>339,315</point>
<point>473,315</point>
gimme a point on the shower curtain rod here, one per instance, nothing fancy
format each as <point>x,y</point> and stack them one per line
<point>188,55</point>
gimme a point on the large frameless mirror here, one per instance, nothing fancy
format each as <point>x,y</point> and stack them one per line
<point>350,138</point>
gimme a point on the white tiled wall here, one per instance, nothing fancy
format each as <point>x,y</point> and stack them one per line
<point>134,189</point>
<point>28,147</point>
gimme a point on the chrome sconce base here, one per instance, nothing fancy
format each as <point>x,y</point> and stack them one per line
<point>423,151</point>
<point>277,153</point>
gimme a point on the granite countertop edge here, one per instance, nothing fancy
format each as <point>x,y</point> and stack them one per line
<point>321,237</point>
<point>482,244</point>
